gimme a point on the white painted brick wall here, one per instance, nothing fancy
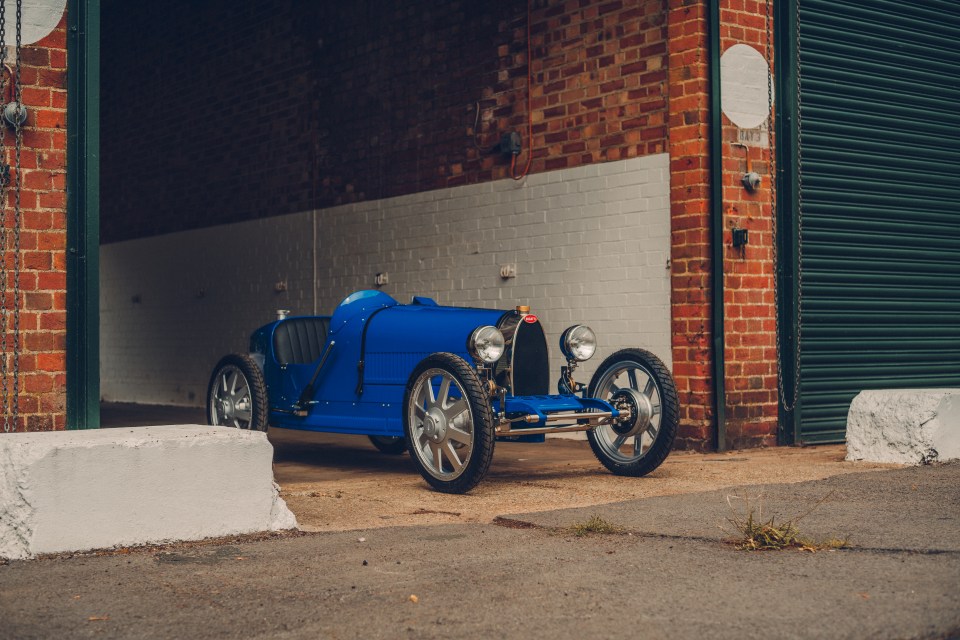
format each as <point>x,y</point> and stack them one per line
<point>591,246</point>
<point>201,294</point>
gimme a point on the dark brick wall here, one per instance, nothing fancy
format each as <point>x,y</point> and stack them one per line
<point>208,114</point>
<point>220,111</point>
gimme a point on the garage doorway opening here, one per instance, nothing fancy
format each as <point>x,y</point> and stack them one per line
<point>208,148</point>
<point>270,156</point>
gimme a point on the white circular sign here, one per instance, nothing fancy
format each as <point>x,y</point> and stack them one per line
<point>744,76</point>
<point>40,17</point>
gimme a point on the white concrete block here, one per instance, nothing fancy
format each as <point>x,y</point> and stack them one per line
<point>906,426</point>
<point>80,490</point>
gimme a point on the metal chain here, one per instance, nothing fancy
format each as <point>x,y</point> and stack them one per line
<point>17,220</point>
<point>11,397</point>
<point>4,175</point>
<point>771,149</point>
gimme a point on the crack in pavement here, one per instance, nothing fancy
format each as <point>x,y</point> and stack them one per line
<point>516,523</point>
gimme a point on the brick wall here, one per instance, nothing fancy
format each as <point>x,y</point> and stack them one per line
<point>43,237</point>
<point>208,114</point>
<point>750,327</point>
<point>590,245</point>
<point>229,111</point>
<point>690,220</point>
<point>42,242</point>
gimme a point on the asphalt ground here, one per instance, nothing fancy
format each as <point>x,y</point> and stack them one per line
<point>668,571</point>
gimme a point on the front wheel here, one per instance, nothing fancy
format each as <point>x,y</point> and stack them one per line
<point>237,394</point>
<point>638,380</point>
<point>448,423</point>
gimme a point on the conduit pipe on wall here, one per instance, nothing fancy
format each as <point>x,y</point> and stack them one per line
<point>716,225</point>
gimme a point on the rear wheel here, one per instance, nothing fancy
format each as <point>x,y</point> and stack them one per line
<point>389,444</point>
<point>448,423</point>
<point>638,380</point>
<point>237,394</point>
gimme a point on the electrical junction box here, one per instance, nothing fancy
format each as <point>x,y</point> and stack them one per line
<point>740,237</point>
<point>510,143</point>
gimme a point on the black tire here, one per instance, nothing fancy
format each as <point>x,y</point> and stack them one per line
<point>237,394</point>
<point>443,428</point>
<point>389,444</point>
<point>660,390</point>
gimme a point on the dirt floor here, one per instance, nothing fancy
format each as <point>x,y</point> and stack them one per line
<point>335,483</point>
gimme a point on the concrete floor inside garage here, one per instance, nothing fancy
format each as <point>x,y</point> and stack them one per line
<point>335,482</point>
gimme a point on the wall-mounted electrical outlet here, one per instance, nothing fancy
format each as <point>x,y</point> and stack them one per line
<point>381,279</point>
<point>508,271</point>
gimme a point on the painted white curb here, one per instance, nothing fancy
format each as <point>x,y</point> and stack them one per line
<point>906,426</point>
<point>80,490</point>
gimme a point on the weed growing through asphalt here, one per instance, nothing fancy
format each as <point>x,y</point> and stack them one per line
<point>595,524</point>
<point>757,534</point>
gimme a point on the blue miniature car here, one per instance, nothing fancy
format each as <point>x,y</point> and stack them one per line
<point>444,383</point>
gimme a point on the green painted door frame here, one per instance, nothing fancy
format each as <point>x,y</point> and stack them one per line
<point>83,214</point>
<point>788,237</point>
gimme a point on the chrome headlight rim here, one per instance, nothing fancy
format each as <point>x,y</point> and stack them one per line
<point>486,344</point>
<point>578,342</point>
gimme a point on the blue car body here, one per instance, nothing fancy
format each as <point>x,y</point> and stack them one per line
<point>444,384</point>
<point>370,346</point>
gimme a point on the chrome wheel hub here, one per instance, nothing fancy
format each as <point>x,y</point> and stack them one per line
<point>435,425</point>
<point>640,408</point>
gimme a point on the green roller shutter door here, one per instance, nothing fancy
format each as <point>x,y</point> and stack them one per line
<point>880,141</point>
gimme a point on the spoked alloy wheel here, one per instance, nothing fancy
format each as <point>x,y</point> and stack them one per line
<point>638,379</point>
<point>448,422</point>
<point>237,394</point>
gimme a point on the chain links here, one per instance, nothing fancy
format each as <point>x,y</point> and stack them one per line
<point>17,217</point>
<point>11,397</point>
<point>4,178</point>
<point>771,149</point>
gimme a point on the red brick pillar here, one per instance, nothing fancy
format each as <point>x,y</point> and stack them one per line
<point>42,398</point>
<point>749,317</point>
<point>688,120</point>
<point>750,324</point>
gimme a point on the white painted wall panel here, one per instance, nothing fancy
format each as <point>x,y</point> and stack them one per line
<point>591,245</point>
<point>200,293</point>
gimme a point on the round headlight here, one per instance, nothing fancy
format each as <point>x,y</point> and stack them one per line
<point>579,342</point>
<point>486,344</point>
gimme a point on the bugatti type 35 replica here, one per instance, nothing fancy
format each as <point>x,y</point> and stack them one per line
<point>444,383</point>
